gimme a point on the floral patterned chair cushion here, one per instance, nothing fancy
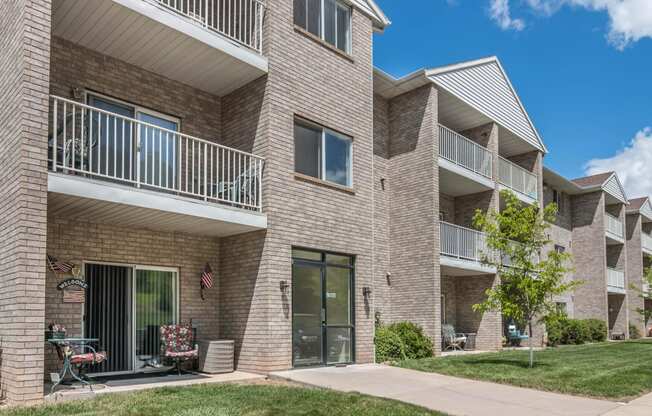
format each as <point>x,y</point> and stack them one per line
<point>177,341</point>
<point>88,358</point>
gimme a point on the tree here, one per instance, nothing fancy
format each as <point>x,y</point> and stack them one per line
<point>645,293</point>
<point>515,239</point>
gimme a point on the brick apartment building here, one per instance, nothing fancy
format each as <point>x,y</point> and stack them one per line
<point>144,139</point>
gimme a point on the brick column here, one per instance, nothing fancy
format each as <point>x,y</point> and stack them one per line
<point>24,79</point>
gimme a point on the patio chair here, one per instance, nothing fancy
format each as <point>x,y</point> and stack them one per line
<point>178,345</point>
<point>452,340</point>
<point>515,336</point>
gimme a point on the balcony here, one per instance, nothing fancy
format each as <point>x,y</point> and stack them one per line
<point>461,251</point>
<point>614,230</point>
<point>465,166</point>
<point>213,45</point>
<point>106,167</point>
<point>615,281</point>
<point>646,242</point>
<point>519,180</point>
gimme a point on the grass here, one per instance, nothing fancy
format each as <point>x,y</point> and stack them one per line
<point>616,371</point>
<point>228,400</point>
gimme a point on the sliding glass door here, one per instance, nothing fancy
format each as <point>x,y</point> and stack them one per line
<point>125,308</point>
<point>155,304</point>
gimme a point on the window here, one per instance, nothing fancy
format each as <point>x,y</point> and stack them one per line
<point>558,199</point>
<point>561,308</point>
<point>560,249</point>
<point>322,153</point>
<point>330,20</point>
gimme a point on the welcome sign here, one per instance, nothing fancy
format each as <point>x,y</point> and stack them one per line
<point>74,290</point>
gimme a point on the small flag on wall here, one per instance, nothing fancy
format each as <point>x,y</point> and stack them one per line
<point>59,266</point>
<point>206,279</point>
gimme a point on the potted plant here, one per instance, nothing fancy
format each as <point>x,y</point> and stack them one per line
<point>56,331</point>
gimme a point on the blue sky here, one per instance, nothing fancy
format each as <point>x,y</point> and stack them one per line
<point>588,88</point>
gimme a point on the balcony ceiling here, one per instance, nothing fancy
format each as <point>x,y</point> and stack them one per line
<point>109,203</point>
<point>158,40</point>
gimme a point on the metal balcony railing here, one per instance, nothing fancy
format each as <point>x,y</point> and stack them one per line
<point>464,152</point>
<point>238,20</point>
<point>615,279</point>
<point>646,241</point>
<point>516,178</point>
<point>613,225</point>
<point>94,143</point>
<point>462,243</point>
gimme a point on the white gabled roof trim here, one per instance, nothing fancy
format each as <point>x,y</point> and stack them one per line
<point>478,85</point>
<point>646,209</point>
<point>613,187</point>
<point>371,9</point>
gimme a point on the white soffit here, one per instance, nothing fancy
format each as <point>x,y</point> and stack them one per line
<point>484,85</point>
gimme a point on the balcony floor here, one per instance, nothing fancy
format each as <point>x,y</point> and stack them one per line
<point>110,203</point>
<point>451,266</point>
<point>159,40</point>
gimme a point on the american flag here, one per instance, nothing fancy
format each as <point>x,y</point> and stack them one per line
<point>207,277</point>
<point>59,266</point>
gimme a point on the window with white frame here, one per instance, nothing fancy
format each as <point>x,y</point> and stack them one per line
<point>322,153</point>
<point>330,20</point>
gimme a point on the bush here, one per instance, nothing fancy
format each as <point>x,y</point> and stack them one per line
<point>417,345</point>
<point>634,332</point>
<point>576,332</point>
<point>555,326</point>
<point>598,329</point>
<point>389,345</point>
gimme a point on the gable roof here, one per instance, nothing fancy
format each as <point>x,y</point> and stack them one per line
<point>641,206</point>
<point>484,85</point>
<point>607,182</point>
<point>371,9</point>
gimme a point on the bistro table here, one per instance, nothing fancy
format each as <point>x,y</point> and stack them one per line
<point>66,348</point>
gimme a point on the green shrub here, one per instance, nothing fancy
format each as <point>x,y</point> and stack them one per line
<point>389,346</point>
<point>598,329</point>
<point>417,345</point>
<point>634,332</point>
<point>575,331</point>
<point>555,324</point>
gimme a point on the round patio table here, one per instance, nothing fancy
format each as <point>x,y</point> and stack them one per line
<point>66,349</point>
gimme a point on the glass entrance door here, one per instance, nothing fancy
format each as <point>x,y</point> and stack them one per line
<point>322,308</point>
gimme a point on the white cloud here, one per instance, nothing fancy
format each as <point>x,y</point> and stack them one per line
<point>629,20</point>
<point>633,164</point>
<point>500,13</point>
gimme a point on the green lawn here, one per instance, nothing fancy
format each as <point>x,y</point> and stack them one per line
<point>617,371</point>
<point>228,400</point>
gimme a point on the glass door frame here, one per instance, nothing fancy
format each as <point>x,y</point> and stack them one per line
<point>323,265</point>
<point>134,268</point>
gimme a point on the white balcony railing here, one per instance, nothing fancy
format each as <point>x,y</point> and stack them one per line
<point>613,225</point>
<point>239,20</point>
<point>90,142</point>
<point>646,241</point>
<point>461,243</point>
<point>516,178</point>
<point>615,279</point>
<point>464,152</point>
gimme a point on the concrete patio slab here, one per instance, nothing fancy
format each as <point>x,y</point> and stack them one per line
<point>453,395</point>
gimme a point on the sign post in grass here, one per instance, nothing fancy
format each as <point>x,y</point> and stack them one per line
<point>516,239</point>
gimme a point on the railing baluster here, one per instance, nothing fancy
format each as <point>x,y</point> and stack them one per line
<point>55,135</point>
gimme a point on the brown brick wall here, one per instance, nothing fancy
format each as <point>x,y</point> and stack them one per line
<point>487,326</point>
<point>78,242</point>
<point>74,66</point>
<point>414,210</point>
<point>589,253</point>
<point>309,80</point>
<point>634,273</point>
<point>25,46</point>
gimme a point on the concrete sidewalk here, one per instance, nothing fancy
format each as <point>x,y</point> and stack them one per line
<point>458,396</point>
